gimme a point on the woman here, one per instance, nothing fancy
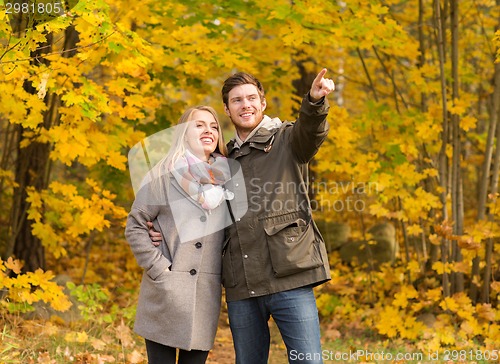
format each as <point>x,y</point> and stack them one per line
<point>180,295</point>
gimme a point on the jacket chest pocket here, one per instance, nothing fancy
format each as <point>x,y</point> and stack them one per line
<point>292,245</point>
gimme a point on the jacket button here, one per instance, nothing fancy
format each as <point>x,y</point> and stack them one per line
<point>198,245</point>
<point>203,218</point>
<point>252,292</point>
<point>245,256</point>
<point>192,272</point>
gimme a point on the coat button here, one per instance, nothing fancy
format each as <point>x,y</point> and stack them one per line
<point>203,218</point>
<point>198,245</point>
<point>245,256</point>
<point>252,292</point>
<point>192,272</point>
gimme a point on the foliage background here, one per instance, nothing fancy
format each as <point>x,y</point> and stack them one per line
<point>416,114</point>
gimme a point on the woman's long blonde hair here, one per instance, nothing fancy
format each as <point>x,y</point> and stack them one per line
<point>160,173</point>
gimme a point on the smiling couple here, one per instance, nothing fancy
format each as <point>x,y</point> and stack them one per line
<point>190,229</point>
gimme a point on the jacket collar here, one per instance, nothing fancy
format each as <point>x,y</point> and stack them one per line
<point>260,138</point>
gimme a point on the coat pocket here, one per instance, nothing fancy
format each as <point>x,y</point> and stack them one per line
<point>292,245</point>
<point>228,277</point>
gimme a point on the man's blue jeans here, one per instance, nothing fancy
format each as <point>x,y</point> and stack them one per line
<point>296,316</point>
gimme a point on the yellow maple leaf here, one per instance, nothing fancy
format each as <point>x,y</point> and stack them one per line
<point>468,122</point>
<point>458,107</point>
<point>389,322</point>
<point>14,264</point>
<point>446,337</point>
<point>414,230</point>
<point>413,267</point>
<point>67,190</point>
<point>401,298</point>
<point>449,303</point>
<point>34,197</point>
<point>292,34</point>
<point>412,328</point>
<point>463,267</point>
<point>76,337</point>
<point>116,160</point>
<point>72,98</point>
<point>440,268</point>
<point>434,239</point>
<point>61,304</point>
<point>378,210</point>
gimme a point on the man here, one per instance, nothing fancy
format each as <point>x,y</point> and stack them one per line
<point>274,254</point>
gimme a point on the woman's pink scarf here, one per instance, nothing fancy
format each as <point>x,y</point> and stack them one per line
<point>203,181</point>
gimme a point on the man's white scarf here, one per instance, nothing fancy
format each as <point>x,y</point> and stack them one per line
<point>266,123</point>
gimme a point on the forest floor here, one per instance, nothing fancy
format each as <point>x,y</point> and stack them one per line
<point>223,351</point>
<point>25,341</point>
<point>334,344</point>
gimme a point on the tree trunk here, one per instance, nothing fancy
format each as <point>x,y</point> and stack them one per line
<point>30,171</point>
<point>457,188</point>
<point>422,49</point>
<point>431,255</point>
<point>7,159</point>
<point>443,161</point>
<point>490,243</point>
<point>488,179</point>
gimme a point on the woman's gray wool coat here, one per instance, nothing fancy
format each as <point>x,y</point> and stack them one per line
<point>180,294</point>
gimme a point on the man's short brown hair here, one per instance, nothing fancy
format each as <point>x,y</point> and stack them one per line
<point>238,79</point>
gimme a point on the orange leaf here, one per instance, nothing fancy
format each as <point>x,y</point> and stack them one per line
<point>485,311</point>
<point>15,265</point>
<point>123,333</point>
<point>135,357</point>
